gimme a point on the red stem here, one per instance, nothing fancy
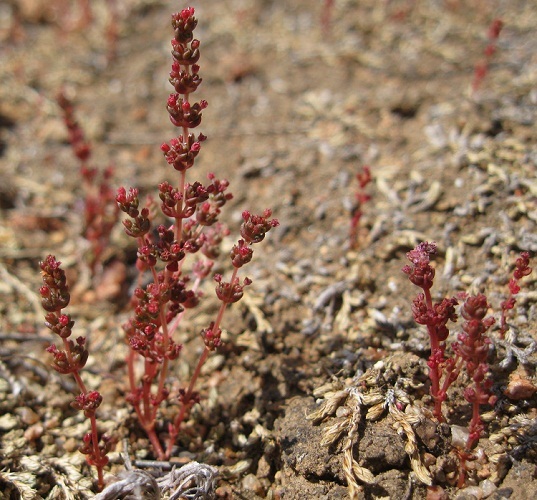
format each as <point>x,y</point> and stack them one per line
<point>187,404</point>
<point>91,417</point>
<point>434,367</point>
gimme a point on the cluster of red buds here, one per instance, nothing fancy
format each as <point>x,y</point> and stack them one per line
<point>71,359</point>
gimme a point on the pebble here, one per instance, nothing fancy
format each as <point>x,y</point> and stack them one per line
<point>484,490</point>
<point>470,493</point>
<point>263,467</point>
<point>239,468</point>
<point>519,388</point>
<point>436,493</point>
<point>459,436</point>
<point>488,487</point>
<point>8,422</point>
<point>251,483</point>
<point>27,415</point>
<point>71,445</point>
<point>34,432</point>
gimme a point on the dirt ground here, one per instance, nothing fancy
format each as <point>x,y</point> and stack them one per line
<point>301,96</point>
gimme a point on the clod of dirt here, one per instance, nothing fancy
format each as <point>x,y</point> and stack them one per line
<point>382,448</point>
<point>391,484</point>
<point>307,466</point>
<point>433,436</point>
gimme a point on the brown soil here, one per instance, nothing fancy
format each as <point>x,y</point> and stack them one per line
<point>296,107</point>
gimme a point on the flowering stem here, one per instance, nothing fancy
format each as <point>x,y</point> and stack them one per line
<point>521,269</point>
<point>435,317</point>
<point>194,208</point>
<point>71,359</point>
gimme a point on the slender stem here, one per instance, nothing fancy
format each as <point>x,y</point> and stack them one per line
<point>434,375</point>
<point>146,390</point>
<point>90,415</point>
<point>179,209</point>
<point>186,404</point>
<point>96,450</point>
<point>80,383</point>
<point>434,367</point>
<point>195,375</point>
<point>162,378</point>
<point>165,363</point>
<point>451,376</point>
<point>503,321</point>
<point>155,443</point>
<point>130,368</point>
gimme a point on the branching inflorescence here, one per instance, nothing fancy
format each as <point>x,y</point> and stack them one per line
<point>71,359</point>
<point>435,317</point>
<point>194,209</point>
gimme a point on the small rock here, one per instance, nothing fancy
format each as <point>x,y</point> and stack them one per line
<point>34,432</point>
<point>71,445</point>
<point>224,491</point>
<point>263,467</point>
<point>488,487</point>
<point>436,493</point>
<point>27,415</point>
<point>251,483</point>
<point>239,468</point>
<point>8,422</point>
<point>519,388</point>
<point>470,493</point>
<point>459,436</point>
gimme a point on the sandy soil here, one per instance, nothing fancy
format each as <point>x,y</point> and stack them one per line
<point>298,104</point>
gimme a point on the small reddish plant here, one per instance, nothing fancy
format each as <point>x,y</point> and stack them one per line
<point>471,349</point>
<point>472,346</point>
<point>100,209</point>
<point>70,359</point>
<point>482,68</point>
<point>522,268</point>
<point>435,316</point>
<point>194,209</point>
<point>468,353</point>
<point>360,199</point>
